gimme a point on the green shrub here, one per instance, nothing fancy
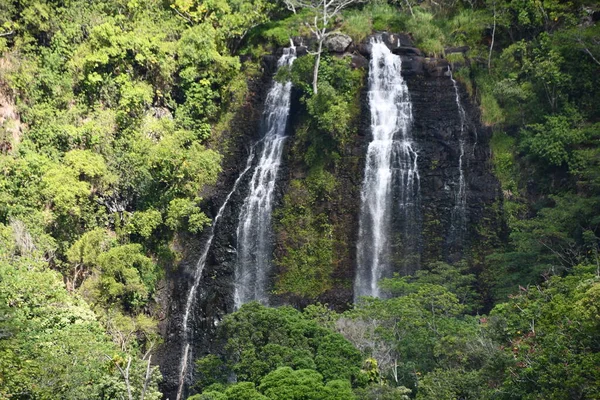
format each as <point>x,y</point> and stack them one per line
<point>357,24</point>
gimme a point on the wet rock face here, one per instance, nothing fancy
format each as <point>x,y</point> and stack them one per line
<point>398,43</point>
<point>436,129</point>
<point>436,132</point>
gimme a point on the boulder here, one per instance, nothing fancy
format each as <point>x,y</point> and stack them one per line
<point>436,67</point>
<point>359,61</point>
<point>412,65</point>
<point>338,42</point>
<point>301,51</point>
<point>407,51</point>
<point>397,40</point>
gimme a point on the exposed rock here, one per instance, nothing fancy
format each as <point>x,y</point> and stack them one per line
<point>306,41</point>
<point>430,67</point>
<point>301,51</point>
<point>412,65</point>
<point>358,61</point>
<point>436,67</point>
<point>398,43</point>
<point>160,112</point>
<point>215,296</point>
<point>460,49</point>
<point>436,130</point>
<point>337,42</point>
<point>396,40</point>
<point>407,51</point>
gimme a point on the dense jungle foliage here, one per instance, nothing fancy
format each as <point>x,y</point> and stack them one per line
<point>113,115</point>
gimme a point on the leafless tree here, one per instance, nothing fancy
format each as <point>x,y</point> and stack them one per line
<point>23,239</point>
<point>125,372</point>
<point>362,333</point>
<point>325,11</point>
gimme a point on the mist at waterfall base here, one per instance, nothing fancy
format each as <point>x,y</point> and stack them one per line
<point>254,241</point>
<point>390,187</point>
<point>257,207</point>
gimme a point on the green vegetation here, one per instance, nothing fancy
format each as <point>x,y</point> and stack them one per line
<point>110,109</point>
<point>306,228</point>
<point>114,118</point>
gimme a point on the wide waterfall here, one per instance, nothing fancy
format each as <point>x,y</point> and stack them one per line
<point>459,211</point>
<point>254,228</point>
<point>391,181</point>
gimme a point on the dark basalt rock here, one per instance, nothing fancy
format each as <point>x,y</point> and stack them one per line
<point>398,43</point>
<point>436,131</point>
<point>436,67</point>
<point>301,51</point>
<point>358,61</point>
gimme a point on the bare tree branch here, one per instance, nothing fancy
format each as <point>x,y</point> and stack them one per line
<point>147,379</point>
<point>124,374</point>
<point>493,38</point>
<point>324,11</point>
<point>588,52</point>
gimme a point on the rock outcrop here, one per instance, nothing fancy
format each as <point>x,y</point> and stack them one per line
<point>338,42</point>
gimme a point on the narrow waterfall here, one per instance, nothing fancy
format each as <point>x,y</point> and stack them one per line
<point>459,211</point>
<point>186,367</point>
<point>391,181</point>
<point>254,227</point>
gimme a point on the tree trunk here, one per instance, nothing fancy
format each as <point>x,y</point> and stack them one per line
<point>493,38</point>
<point>147,379</point>
<point>317,62</point>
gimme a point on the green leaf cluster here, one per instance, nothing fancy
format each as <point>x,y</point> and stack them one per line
<point>282,351</point>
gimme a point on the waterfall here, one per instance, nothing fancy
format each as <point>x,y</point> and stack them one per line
<point>185,367</point>
<point>254,227</point>
<point>391,180</point>
<point>459,211</point>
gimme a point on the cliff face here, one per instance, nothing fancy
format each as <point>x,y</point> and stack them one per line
<point>438,129</point>
<point>214,297</point>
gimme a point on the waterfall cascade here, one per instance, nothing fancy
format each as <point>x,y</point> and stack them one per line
<point>391,178</point>
<point>459,212</point>
<point>261,187</point>
<point>254,228</point>
<point>185,367</point>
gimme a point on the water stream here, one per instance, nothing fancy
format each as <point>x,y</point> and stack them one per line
<point>391,180</point>
<point>459,211</point>
<point>254,242</point>
<point>185,368</point>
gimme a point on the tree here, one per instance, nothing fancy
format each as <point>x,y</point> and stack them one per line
<point>324,11</point>
<point>305,384</point>
<point>258,340</point>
